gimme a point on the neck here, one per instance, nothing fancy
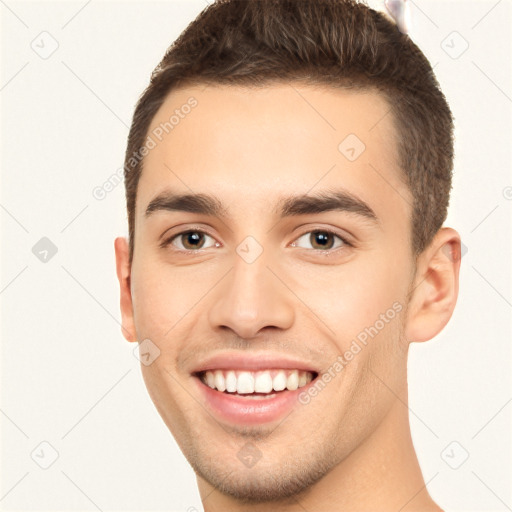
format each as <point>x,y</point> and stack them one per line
<point>382,473</point>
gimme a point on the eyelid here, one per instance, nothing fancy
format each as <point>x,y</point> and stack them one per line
<point>194,229</point>
<point>345,239</point>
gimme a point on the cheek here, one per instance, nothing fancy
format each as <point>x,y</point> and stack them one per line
<point>350,298</point>
<point>164,298</point>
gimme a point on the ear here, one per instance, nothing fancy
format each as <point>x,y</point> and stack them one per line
<point>123,274</point>
<point>435,287</point>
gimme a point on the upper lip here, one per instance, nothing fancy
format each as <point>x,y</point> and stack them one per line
<point>253,362</point>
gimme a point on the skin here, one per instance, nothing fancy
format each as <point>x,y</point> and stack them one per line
<point>350,447</point>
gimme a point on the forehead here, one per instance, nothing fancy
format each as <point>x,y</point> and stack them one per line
<point>250,145</point>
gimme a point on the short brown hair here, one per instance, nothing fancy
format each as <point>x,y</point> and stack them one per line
<point>338,43</point>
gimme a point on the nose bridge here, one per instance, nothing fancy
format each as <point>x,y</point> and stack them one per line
<point>251,297</point>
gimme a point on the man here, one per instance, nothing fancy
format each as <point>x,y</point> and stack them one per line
<point>287,175</point>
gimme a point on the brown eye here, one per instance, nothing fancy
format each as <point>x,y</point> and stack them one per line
<point>320,240</point>
<point>190,240</point>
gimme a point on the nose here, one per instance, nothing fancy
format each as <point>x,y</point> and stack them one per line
<point>251,298</point>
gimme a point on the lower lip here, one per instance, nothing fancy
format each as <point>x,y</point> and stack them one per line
<point>250,411</point>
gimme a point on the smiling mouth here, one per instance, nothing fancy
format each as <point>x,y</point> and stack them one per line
<point>256,384</point>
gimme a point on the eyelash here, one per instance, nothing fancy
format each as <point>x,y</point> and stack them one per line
<point>169,241</point>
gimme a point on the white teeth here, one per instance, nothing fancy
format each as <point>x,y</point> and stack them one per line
<point>220,383</point>
<point>210,380</point>
<point>245,383</point>
<point>279,381</point>
<point>263,381</point>
<point>230,381</point>
<point>293,381</point>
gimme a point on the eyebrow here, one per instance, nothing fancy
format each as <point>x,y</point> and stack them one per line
<point>304,204</point>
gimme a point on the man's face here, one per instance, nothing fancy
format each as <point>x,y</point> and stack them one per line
<point>291,296</point>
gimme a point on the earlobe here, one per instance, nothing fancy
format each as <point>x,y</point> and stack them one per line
<point>123,275</point>
<point>435,288</point>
